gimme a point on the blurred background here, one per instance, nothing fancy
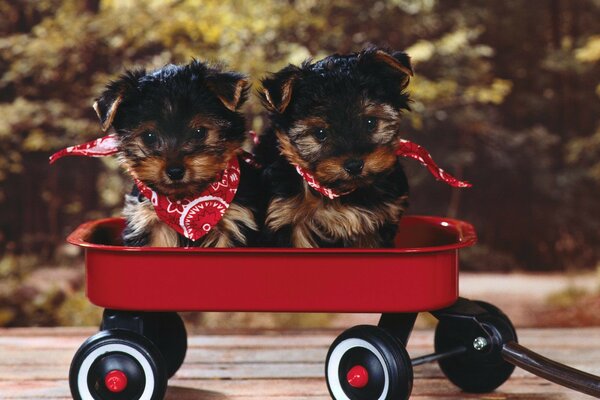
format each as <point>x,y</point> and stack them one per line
<point>506,95</point>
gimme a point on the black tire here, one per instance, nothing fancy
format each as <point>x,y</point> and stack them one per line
<point>126,352</point>
<point>476,371</point>
<point>390,374</point>
<point>165,329</point>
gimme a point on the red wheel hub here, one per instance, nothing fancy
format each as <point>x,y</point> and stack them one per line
<point>358,377</point>
<point>115,381</point>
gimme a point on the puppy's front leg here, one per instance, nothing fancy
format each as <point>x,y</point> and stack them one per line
<point>143,227</point>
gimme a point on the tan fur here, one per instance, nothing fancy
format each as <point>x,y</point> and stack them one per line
<point>203,167</point>
<point>382,159</point>
<point>286,96</point>
<point>286,148</point>
<point>381,111</point>
<point>142,128</point>
<point>110,115</point>
<point>381,55</point>
<point>313,216</point>
<point>306,143</point>
<point>388,121</point>
<point>150,170</point>
<point>142,218</point>
<point>303,125</point>
<point>163,236</point>
<point>232,104</point>
<point>331,169</point>
<point>228,228</point>
<point>212,126</point>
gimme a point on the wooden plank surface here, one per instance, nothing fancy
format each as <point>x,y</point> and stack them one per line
<point>273,365</point>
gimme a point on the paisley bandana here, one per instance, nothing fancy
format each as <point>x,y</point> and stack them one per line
<point>416,152</point>
<point>405,148</point>
<point>193,217</point>
<point>104,146</point>
<point>313,183</point>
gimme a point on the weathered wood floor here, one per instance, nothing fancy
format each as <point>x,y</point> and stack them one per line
<point>34,364</point>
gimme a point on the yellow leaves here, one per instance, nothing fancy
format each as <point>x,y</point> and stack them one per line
<point>454,41</point>
<point>446,91</point>
<point>589,53</point>
<point>429,90</point>
<point>585,151</point>
<point>422,50</point>
<point>35,141</point>
<point>582,148</point>
<point>494,93</point>
<point>298,53</point>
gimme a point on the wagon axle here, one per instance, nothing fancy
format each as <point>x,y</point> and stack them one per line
<point>476,348</point>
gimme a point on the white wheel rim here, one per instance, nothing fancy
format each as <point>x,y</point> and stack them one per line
<point>334,364</point>
<point>82,375</point>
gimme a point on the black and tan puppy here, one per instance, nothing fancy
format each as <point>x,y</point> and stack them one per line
<point>178,128</point>
<point>333,175</point>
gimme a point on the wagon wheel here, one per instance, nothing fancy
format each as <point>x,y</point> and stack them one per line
<point>367,363</point>
<point>481,368</point>
<point>165,330</point>
<point>115,365</point>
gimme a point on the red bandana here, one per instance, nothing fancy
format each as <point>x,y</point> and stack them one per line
<point>193,217</point>
<point>104,146</point>
<point>404,149</point>
<point>313,183</point>
<point>414,151</point>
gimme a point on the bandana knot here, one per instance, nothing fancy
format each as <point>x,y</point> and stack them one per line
<point>404,148</point>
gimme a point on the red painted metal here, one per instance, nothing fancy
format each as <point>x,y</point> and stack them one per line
<point>358,377</point>
<point>115,381</point>
<point>420,274</point>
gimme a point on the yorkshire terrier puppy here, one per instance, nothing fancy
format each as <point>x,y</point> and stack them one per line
<point>180,131</point>
<point>333,175</point>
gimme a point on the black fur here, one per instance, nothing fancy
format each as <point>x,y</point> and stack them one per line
<point>335,90</point>
<point>190,113</point>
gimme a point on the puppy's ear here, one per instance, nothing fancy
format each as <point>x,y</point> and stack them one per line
<point>230,87</point>
<point>396,64</point>
<point>107,104</point>
<point>277,88</point>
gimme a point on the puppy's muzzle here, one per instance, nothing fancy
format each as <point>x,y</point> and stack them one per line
<point>175,173</point>
<point>354,166</point>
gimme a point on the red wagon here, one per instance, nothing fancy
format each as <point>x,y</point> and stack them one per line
<point>142,340</point>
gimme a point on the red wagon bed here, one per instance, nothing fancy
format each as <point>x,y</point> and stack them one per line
<point>142,340</point>
<point>421,273</point>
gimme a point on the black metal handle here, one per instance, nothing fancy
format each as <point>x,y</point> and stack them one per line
<point>553,371</point>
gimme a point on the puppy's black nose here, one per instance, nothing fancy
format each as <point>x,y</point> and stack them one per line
<point>175,173</point>
<point>354,166</point>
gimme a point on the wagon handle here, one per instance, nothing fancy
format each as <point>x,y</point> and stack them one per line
<point>551,370</point>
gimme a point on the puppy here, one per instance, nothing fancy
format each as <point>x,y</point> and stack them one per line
<point>180,135</point>
<point>333,175</point>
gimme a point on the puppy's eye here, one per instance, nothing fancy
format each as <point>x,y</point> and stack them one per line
<point>371,124</point>
<point>149,138</point>
<point>200,133</point>
<point>320,134</point>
